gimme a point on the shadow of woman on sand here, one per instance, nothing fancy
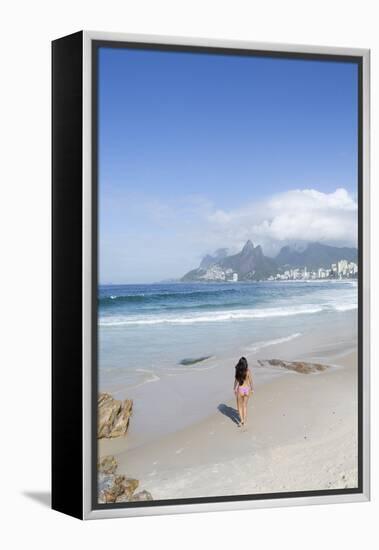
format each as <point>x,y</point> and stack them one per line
<point>230,412</point>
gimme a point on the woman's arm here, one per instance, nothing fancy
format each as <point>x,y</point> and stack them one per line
<point>235,385</point>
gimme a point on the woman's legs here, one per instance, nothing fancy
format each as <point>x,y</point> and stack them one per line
<point>245,400</point>
<point>239,405</point>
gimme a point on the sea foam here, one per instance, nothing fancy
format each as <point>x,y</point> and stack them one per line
<point>266,343</point>
<point>213,317</point>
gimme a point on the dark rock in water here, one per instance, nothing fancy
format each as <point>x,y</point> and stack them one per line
<point>142,495</point>
<point>113,416</point>
<point>296,366</point>
<point>193,361</point>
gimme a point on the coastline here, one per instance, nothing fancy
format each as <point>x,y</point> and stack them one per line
<point>301,433</point>
<point>186,395</point>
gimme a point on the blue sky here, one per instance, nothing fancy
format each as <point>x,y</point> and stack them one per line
<point>192,145</point>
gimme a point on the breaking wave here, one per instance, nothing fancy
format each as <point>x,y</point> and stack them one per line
<point>222,316</point>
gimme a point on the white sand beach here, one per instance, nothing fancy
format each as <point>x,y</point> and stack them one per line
<point>301,433</point>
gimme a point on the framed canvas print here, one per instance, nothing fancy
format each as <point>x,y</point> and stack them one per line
<point>210,275</point>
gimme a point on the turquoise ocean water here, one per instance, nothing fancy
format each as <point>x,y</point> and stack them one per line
<point>145,331</point>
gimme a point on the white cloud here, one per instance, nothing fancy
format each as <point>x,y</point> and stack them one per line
<point>294,216</point>
<point>146,238</point>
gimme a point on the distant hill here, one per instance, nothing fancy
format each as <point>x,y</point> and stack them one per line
<point>250,264</point>
<point>209,260</point>
<point>315,255</point>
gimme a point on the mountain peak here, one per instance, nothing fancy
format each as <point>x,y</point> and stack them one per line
<point>221,253</point>
<point>249,247</point>
<point>250,264</point>
<point>314,255</point>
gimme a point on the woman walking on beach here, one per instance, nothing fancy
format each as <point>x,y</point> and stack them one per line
<point>243,387</point>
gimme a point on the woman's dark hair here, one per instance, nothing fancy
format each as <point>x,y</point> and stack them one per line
<point>241,370</point>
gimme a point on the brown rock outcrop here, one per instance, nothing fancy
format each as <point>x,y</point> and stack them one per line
<point>297,366</point>
<point>112,487</point>
<point>107,465</point>
<point>142,495</point>
<point>113,416</point>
